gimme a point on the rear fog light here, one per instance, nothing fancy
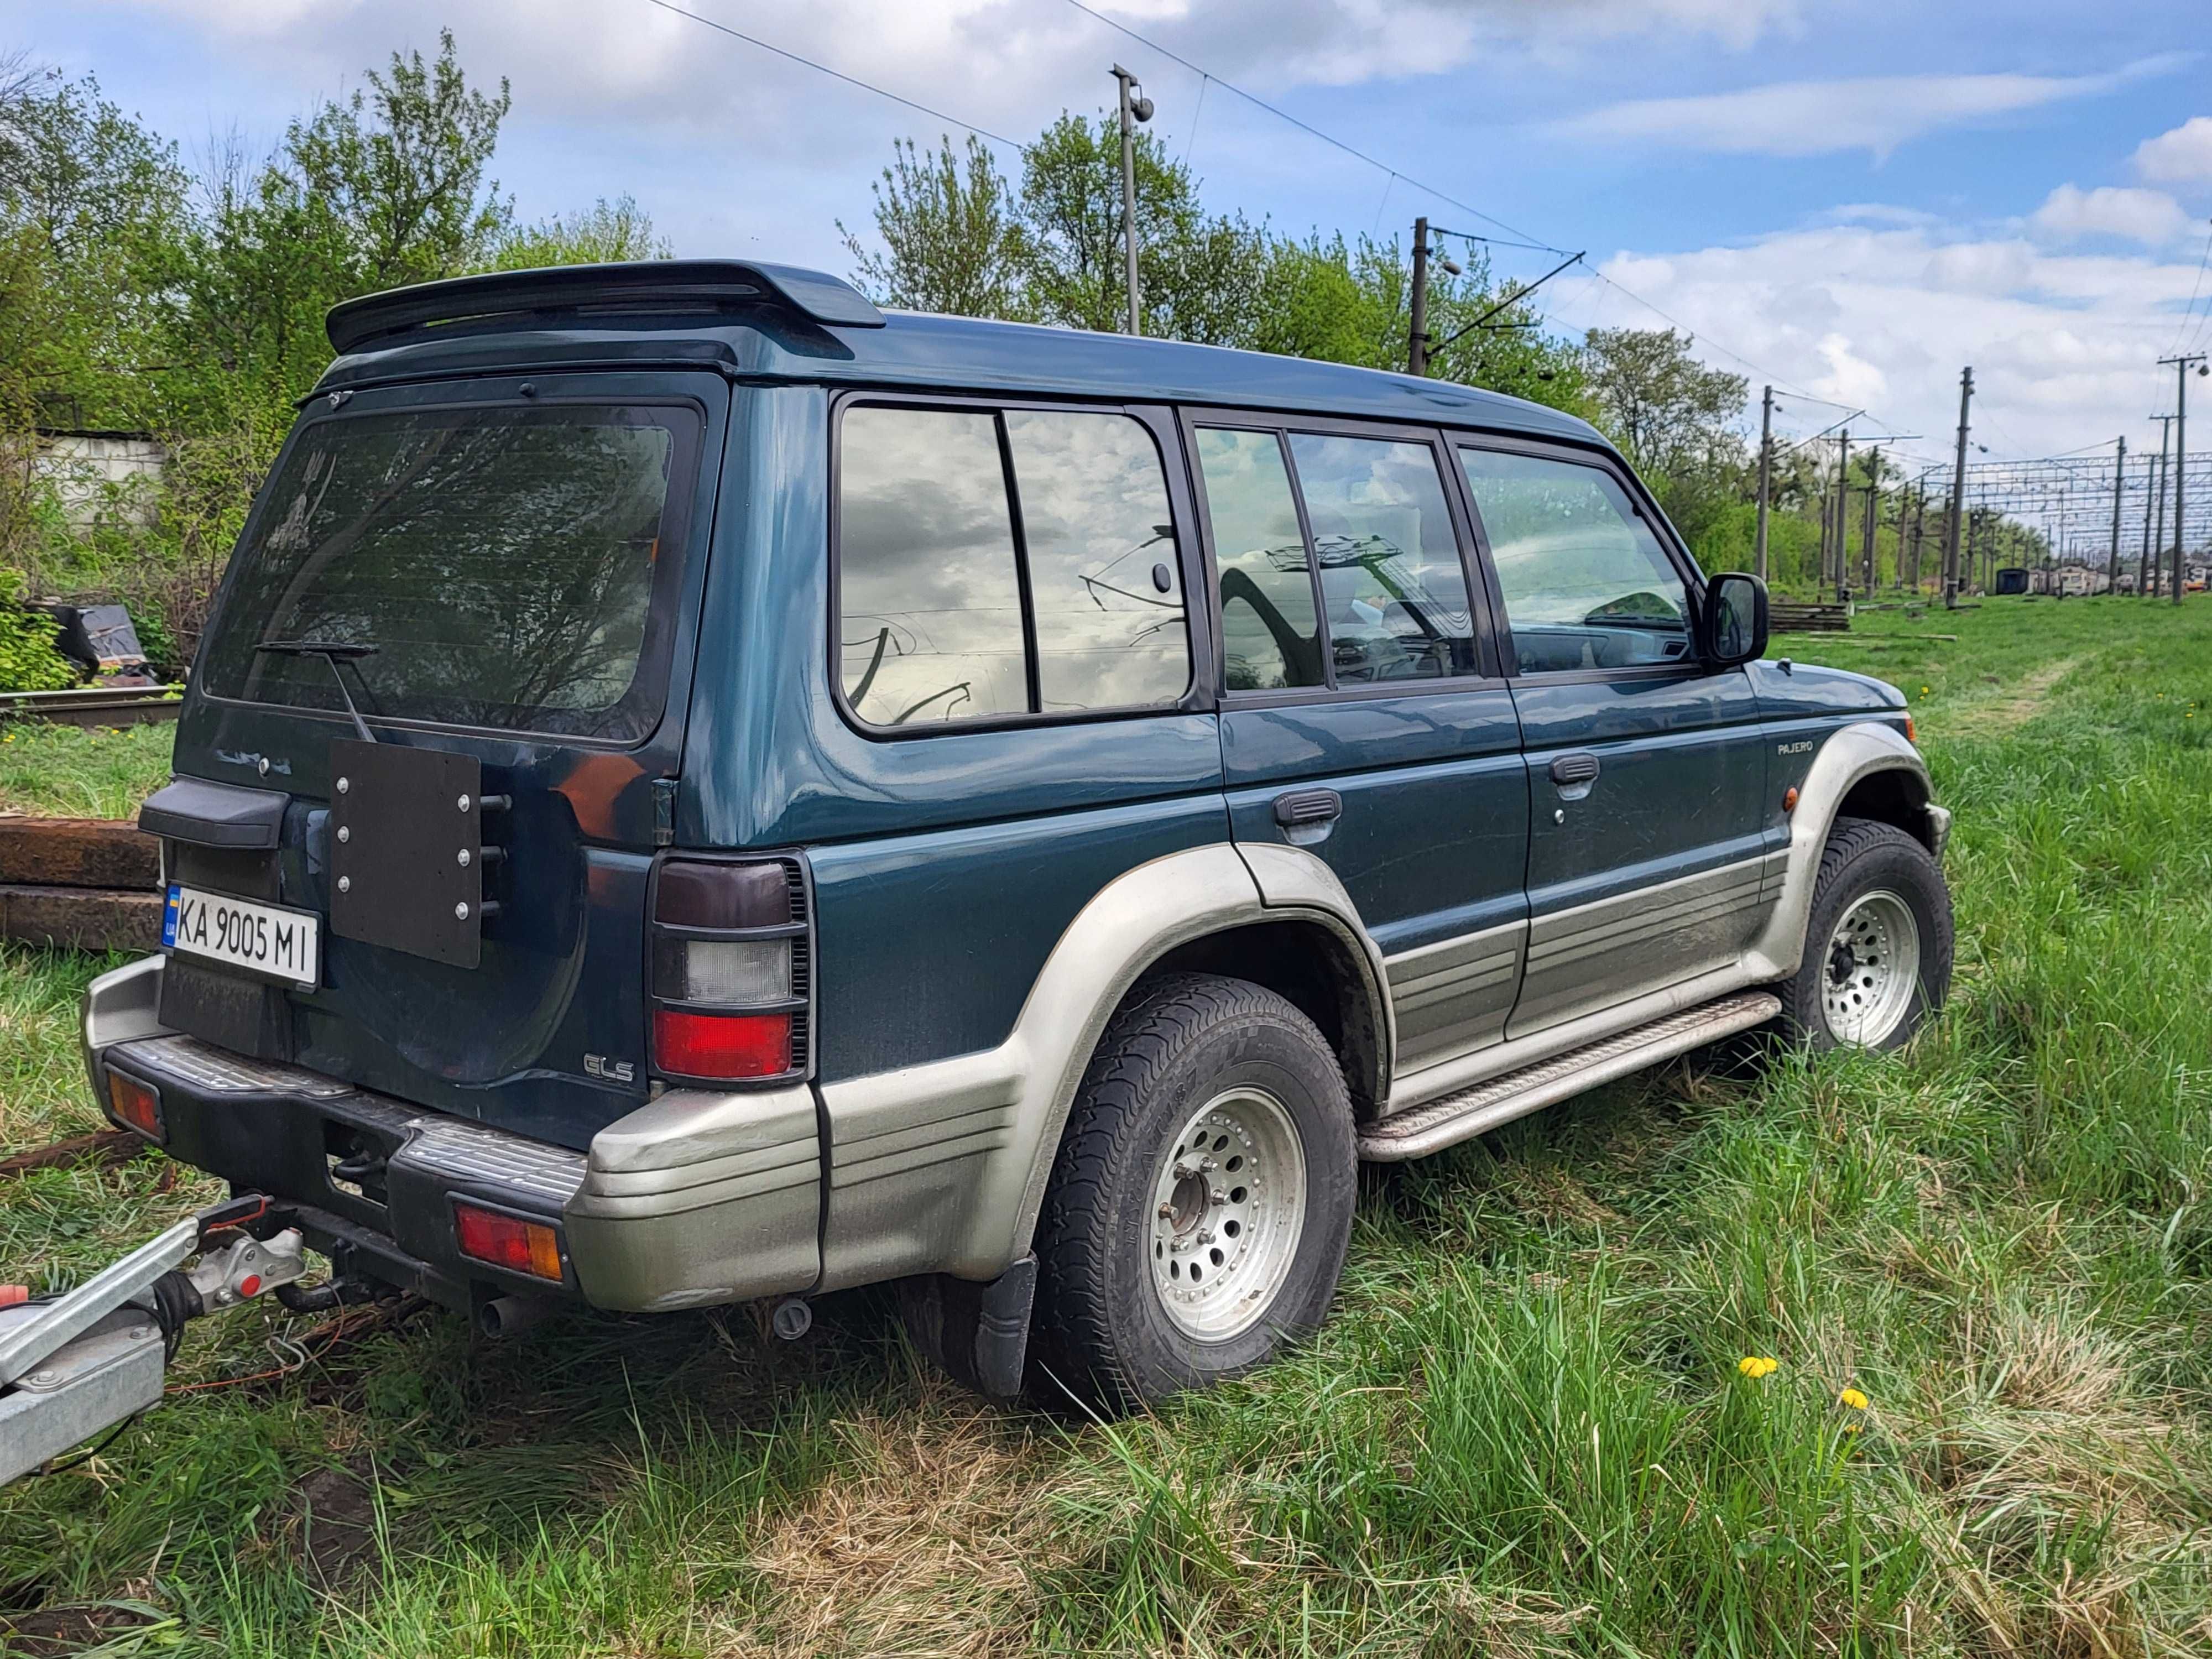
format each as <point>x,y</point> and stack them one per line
<point>507,1241</point>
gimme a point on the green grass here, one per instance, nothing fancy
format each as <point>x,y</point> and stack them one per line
<point>72,771</point>
<point>1524,1432</point>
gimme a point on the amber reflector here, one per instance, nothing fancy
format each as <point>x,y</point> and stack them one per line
<point>508,1242</point>
<point>135,1105</point>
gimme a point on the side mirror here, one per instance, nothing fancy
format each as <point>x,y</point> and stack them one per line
<point>1732,628</point>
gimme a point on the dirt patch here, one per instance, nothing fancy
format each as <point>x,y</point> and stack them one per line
<point>336,1510</point>
<point>2014,707</point>
<point>925,1546</point>
<point>52,1632</point>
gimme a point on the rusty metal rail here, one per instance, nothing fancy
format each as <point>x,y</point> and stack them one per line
<point>95,705</point>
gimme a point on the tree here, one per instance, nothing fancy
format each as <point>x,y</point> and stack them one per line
<point>951,241</point>
<point>608,232</point>
<point>1664,408</point>
<point>1675,421</point>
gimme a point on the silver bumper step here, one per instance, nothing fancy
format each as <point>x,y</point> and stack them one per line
<point>1479,1109</point>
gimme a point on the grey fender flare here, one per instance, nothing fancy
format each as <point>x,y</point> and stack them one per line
<point>1027,1084</point>
<point>1850,755</point>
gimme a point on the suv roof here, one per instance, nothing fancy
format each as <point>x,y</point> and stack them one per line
<point>778,322</point>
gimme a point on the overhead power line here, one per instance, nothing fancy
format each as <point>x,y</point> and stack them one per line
<point>838,74</point>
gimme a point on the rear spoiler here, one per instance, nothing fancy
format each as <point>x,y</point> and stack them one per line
<point>677,284</point>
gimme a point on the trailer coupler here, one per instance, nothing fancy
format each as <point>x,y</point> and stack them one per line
<point>77,1364</point>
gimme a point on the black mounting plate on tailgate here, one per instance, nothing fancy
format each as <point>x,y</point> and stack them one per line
<point>406,850</point>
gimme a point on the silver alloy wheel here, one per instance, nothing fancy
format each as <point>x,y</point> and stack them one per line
<point>1228,1206</point>
<point>1873,969</point>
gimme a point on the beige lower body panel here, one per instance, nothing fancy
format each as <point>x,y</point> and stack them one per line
<point>1455,996</point>
<point>699,1198</point>
<point>1596,955</point>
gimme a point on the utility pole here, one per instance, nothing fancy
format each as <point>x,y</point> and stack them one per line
<point>2154,539</point>
<point>1766,449</point>
<point>1873,516</point>
<point>2181,453</point>
<point>1417,340</point>
<point>1957,496</point>
<point>2119,488</point>
<point>1135,108</point>
<point>1843,513</point>
<point>1919,524</point>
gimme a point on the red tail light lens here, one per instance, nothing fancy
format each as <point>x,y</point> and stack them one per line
<point>721,1045</point>
<point>731,962</point>
<point>507,1241</point>
<point>135,1105</point>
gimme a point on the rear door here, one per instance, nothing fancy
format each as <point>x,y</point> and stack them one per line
<point>500,576</point>
<point>1646,770</point>
<point>1363,717</point>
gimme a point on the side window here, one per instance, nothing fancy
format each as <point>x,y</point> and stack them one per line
<point>1105,584</point>
<point>1586,582</point>
<point>930,623</point>
<point>1270,635</point>
<point>1391,581</point>
<point>951,609</point>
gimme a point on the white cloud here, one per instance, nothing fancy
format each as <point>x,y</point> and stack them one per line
<point>2063,344</point>
<point>1006,65</point>
<point>1821,117</point>
<point>2149,216</point>
<point>2183,155</point>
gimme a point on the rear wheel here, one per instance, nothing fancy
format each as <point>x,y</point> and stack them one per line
<point>1197,1217</point>
<point>1877,943</point>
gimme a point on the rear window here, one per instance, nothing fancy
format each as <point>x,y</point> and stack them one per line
<point>503,568</point>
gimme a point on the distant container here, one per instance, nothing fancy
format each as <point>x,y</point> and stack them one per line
<point>2012,579</point>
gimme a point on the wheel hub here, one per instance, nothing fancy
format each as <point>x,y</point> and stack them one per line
<point>1228,1207</point>
<point>1873,969</point>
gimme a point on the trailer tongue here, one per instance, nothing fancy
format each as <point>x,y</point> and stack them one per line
<point>87,1360</point>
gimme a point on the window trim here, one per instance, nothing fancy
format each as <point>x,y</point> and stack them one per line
<point>701,493</point>
<point>1154,420</point>
<point>1671,548</point>
<point>1482,602</point>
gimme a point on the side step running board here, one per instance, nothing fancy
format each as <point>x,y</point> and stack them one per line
<point>1481,1108</point>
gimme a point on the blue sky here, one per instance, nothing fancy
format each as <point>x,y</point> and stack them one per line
<point>1850,198</point>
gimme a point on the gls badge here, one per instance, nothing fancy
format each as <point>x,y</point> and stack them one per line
<point>615,1071</point>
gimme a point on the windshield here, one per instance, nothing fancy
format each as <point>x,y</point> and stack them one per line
<point>474,567</point>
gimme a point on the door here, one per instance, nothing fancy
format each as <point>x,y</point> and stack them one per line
<point>1363,718</point>
<point>1646,770</point>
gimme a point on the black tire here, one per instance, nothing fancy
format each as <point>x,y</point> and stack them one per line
<point>1864,857</point>
<point>1101,1331</point>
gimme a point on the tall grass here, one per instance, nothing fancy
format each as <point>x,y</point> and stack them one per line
<point>1525,1432</point>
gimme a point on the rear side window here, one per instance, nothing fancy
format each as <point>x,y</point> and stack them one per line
<point>1270,636</point>
<point>995,564</point>
<point>1391,581</point>
<point>504,568</point>
<point>1585,581</point>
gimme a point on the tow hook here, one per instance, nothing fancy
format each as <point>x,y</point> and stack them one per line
<point>94,1357</point>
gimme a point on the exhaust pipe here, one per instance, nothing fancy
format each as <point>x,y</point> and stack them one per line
<point>505,1316</point>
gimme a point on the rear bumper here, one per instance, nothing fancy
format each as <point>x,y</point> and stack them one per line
<point>694,1199</point>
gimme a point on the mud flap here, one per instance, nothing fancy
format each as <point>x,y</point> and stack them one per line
<point>977,1334</point>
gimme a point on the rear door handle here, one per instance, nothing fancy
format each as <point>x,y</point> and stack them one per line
<point>1302,809</point>
<point>1581,767</point>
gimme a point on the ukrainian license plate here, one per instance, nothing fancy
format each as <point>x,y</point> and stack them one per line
<point>265,940</point>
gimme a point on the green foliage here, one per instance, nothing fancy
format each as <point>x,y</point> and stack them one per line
<point>607,233</point>
<point>28,660</point>
<point>952,234</point>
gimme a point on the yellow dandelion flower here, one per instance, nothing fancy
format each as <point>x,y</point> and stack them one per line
<point>1852,1398</point>
<point>1755,1366</point>
<point>1853,1427</point>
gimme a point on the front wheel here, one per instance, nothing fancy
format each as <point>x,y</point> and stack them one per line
<point>1197,1217</point>
<point>1877,943</point>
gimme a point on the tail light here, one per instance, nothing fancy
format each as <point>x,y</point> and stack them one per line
<point>507,1241</point>
<point>135,1105</point>
<point>732,970</point>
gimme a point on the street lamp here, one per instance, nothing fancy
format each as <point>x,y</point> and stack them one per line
<point>1135,107</point>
